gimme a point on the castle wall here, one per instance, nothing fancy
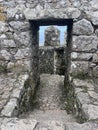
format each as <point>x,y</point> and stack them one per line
<point>15,30</point>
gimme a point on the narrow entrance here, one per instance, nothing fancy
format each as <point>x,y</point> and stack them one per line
<point>35,26</point>
<point>50,95</point>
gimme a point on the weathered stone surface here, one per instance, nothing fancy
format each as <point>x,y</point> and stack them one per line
<point>84,83</point>
<point>83,27</point>
<point>52,36</point>
<point>79,66</point>
<point>9,108</point>
<point>85,43</point>
<point>90,111</point>
<point>93,16</point>
<point>95,21</point>
<point>23,39</point>
<point>5,55</point>
<point>48,13</point>
<point>3,27</point>
<point>23,54</point>
<point>83,98</point>
<point>19,25</point>
<point>51,60</point>
<point>16,124</point>
<point>49,96</point>
<point>94,4</point>
<point>96,32</point>
<point>85,126</point>
<point>11,89</point>
<point>93,95</point>
<point>95,72</point>
<point>7,43</point>
<point>81,56</point>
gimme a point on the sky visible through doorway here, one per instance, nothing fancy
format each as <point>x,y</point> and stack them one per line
<point>62,29</point>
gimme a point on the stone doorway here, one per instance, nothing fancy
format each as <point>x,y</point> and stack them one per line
<point>35,24</point>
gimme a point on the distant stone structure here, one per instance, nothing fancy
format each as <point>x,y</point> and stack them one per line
<point>52,36</point>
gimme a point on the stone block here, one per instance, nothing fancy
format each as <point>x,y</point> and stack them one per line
<point>6,43</point>
<point>18,124</point>
<point>5,55</point>
<point>3,17</point>
<point>3,26</point>
<point>79,66</point>
<point>96,32</point>
<point>81,56</point>
<point>9,108</point>
<point>84,126</point>
<point>84,83</point>
<point>48,13</point>
<point>23,26</point>
<point>83,27</point>
<point>95,72</point>
<point>93,16</point>
<point>94,4</point>
<point>85,43</point>
<point>22,39</point>
<point>23,54</point>
<point>90,111</point>
<point>83,98</point>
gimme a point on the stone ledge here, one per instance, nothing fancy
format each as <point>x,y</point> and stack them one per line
<point>86,102</point>
<point>18,124</point>
<point>85,126</point>
<point>12,94</point>
<point>68,13</point>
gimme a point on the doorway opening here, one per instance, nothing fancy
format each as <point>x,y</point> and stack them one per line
<point>50,59</point>
<point>50,63</point>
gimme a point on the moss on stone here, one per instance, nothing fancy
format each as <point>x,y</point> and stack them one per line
<point>81,75</point>
<point>3,69</point>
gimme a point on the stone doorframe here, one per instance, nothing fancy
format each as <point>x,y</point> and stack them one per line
<point>35,24</point>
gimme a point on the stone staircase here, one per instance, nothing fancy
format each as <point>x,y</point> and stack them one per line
<point>49,108</point>
<point>49,104</point>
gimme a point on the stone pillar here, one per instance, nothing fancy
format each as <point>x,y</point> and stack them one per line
<point>35,54</point>
<point>52,36</point>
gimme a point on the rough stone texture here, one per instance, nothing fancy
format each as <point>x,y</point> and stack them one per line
<point>81,56</point>
<point>85,126</point>
<point>18,45</point>
<point>18,124</point>
<point>13,93</point>
<point>51,60</point>
<point>86,99</point>
<point>50,93</point>
<point>83,27</point>
<point>52,36</point>
<point>46,60</point>
<point>96,32</point>
<point>79,66</point>
<point>85,43</point>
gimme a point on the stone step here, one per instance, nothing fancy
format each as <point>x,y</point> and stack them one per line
<point>31,124</point>
<point>48,115</point>
<point>86,99</point>
<point>50,94</point>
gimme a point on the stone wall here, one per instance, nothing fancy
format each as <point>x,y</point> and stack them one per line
<point>15,45</point>
<point>16,50</point>
<point>51,60</point>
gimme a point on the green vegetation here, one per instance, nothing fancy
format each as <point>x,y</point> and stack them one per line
<point>85,89</point>
<point>3,69</point>
<point>81,75</point>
